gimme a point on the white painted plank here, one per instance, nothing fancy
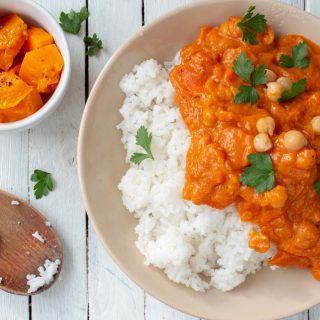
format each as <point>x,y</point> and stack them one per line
<point>154,309</point>
<point>52,147</point>
<point>155,8</point>
<point>14,178</point>
<point>111,294</point>
<point>300,316</point>
<point>313,6</point>
<point>296,3</point>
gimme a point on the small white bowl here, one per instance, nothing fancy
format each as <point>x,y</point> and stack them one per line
<point>34,14</point>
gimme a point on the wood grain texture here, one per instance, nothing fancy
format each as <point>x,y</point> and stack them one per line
<point>52,147</point>
<point>21,253</point>
<point>111,294</point>
<point>14,178</point>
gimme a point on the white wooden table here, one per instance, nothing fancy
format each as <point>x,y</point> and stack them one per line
<point>91,287</point>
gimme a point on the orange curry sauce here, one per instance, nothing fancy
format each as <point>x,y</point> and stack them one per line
<point>222,137</point>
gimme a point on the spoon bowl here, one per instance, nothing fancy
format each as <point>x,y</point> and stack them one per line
<point>21,253</point>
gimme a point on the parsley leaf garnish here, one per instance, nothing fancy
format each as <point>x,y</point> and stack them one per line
<point>44,183</point>
<point>297,88</point>
<point>317,187</point>
<point>71,22</point>
<point>299,58</point>
<point>143,139</point>
<point>246,94</point>
<point>260,175</point>
<point>249,23</point>
<point>94,44</point>
<point>244,68</point>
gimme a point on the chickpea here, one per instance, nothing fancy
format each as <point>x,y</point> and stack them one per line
<point>285,82</point>
<point>315,123</point>
<point>294,140</point>
<point>271,76</point>
<point>274,91</point>
<point>266,125</point>
<point>262,142</point>
<point>208,117</point>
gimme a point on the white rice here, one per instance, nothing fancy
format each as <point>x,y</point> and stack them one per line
<point>197,246</point>
<point>46,275</point>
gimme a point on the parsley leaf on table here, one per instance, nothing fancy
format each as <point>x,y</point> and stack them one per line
<point>71,22</point>
<point>297,88</point>
<point>299,58</point>
<point>260,175</point>
<point>143,139</point>
<point>44,183</point>
<point>249,23</point>
<point>94,44</point>
<point>317,187</point>
<point>244,68</point>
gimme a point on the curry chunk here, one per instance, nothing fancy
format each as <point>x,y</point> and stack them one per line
<point>224,133</point>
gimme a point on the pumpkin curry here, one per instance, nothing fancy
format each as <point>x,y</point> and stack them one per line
<point>251,102</point>
<point>30,68</point>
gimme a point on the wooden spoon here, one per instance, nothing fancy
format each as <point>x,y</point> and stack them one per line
<point>20,252</point>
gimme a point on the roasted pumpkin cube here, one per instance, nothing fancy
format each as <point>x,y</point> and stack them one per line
<point>37,38</point>
<point>42,67</point>
<point>12,90</point>
<point>29,105</point>
<point>13,33</point>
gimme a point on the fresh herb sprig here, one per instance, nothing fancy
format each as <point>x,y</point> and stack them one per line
<point>299,57</point>
<point>94,44</point>
<point>317,187</point>
<point>297,88</point>
<point>260,175</point>
<point>143,139</point>
<point>250,24</point>
<point>71,22</point>
<point>44,183</point>
<point>244,68</point>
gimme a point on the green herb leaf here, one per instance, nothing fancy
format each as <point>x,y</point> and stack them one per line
<point>297,88</point>
<point>286,61</point>
<point>71,22</point>
<point>299,58</point>
<point>317,187</point>
<point>143,139</point>
<point>243,67</point>
<point>44,183</point>
<point>250,24</point>
<point>259,75</point>
<point>260,175</point>
<point>94,44</point>
<point>246,94</point>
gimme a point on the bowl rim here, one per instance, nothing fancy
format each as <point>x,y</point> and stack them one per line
<point>81,152</point>
<point>64,81</point>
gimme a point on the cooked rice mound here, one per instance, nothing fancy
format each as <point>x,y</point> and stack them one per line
<point>198,246</point>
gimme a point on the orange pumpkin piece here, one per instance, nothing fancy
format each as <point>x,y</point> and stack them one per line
<point>29,105</point>
<point>13,33</point>
<point>42,67</point>
<point>37,38</point>
<point>12,90</point>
